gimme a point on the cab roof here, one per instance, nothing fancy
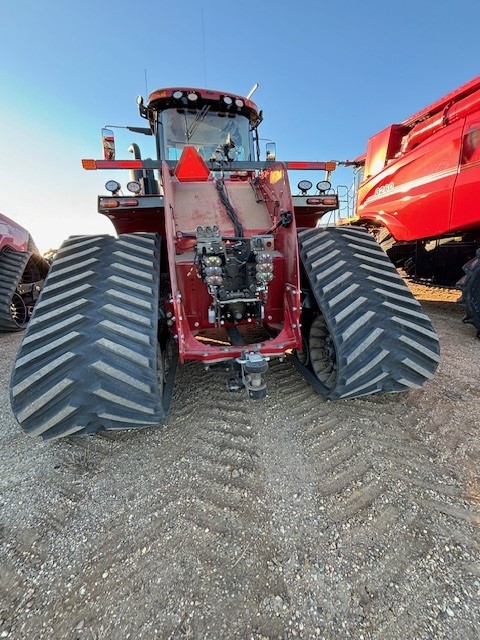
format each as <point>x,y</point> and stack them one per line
<point>190,97</point>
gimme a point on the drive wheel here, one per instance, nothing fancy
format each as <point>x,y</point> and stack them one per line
<point>13,310</point>
<point>322,353</point>
<point>318,354</point>
<point>167,360</point>
<point>19,311</point>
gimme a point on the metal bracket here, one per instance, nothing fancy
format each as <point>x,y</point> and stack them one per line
<point>253,369</point>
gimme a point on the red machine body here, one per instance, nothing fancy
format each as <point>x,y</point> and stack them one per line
<point>419,194</point>
<point>22,275</point>
<point>12,235</point>
<point>421,177</point>
<point>190,200</point>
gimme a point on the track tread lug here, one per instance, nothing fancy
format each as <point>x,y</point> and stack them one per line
<point>383,340</point>
<point>90,363</point>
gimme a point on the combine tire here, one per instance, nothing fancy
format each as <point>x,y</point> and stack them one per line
<point>469,285</point>
<point>13,312</point>
<point>363,330</point>
<point>95,355</point>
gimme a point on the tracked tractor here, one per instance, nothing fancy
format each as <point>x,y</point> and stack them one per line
<point>22,274</point>
<point>214,260</point>
<point>419,193</point>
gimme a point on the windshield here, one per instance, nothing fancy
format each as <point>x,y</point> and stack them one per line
<point>207,131</point>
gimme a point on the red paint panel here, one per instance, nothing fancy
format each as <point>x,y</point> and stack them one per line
<point>466,201</point>
<point>412,196</point>
<point>12,235</point>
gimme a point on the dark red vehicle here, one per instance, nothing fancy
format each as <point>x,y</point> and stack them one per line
<point>215,261</point>
<point>22,273</point>
<point>420,193</point>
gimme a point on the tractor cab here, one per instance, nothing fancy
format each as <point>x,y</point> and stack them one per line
<point>221,127</point>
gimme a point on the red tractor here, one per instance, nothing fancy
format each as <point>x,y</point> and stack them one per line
<point>215,261</point>
<point>22,274</point>
<point>419,193</point>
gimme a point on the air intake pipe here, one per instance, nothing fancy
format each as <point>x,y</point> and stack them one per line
<point>144,176</point>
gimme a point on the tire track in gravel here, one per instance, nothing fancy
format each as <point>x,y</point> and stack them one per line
<point>252,519</point>
<point>391,510</point>
<point>226,510</point>
<point>188,530</point>
<point>73,521</point>
<point>301,531</point>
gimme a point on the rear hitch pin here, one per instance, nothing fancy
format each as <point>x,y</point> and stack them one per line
<point>253,369</point>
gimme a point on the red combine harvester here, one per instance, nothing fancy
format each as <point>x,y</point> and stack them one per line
<point>22,275</point>
<point>420,194</point>
<point>215,261</point>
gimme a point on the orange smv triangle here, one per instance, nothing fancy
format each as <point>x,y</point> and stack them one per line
<point>191,167</point>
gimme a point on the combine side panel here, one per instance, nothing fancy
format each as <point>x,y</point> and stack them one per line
<point>12,266</point>
<point>368,334</point>
<point>89,357</point>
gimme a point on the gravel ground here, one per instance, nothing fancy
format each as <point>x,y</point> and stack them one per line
<point>290,517</point>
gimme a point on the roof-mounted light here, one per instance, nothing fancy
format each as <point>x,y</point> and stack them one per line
<point>113,186</point>
<point>228,100</point>
<point>177,95</point>
<point>192,96</point>
<point>239,103</point>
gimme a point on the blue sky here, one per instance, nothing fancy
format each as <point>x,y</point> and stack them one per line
<point>330,74</point>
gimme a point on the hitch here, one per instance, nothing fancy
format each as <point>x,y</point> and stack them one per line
<point>248,372</point>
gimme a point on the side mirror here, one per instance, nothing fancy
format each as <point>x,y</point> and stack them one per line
<point>108,143</point>
<point>271,151</point>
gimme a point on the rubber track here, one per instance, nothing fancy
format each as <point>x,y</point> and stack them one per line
<point>88,359</point>
<point>12,266</point>
<point>469,285</point>
<point>383,339</point>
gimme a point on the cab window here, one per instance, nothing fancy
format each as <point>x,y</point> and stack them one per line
<point>471,144</point>
<point>206,131</point>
